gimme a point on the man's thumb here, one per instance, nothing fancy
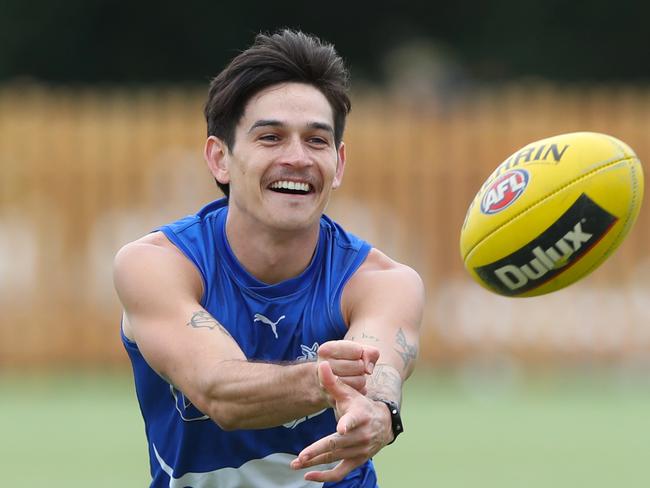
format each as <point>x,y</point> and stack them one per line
<point>330,382</point>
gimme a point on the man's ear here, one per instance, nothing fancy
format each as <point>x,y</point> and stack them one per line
<point>340,167</point>
<point>215,155</point>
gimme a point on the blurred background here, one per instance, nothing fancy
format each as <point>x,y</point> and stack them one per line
<point>101,136</point>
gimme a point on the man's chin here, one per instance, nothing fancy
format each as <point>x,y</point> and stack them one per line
<point>290,222</point>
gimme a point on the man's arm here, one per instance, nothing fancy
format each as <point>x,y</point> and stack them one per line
<point>383,304</point>
<point>160,291</point>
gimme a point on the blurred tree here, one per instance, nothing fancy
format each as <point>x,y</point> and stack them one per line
<point>145,40</point>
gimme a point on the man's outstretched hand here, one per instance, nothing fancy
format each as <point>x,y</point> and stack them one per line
<point>363,428</point>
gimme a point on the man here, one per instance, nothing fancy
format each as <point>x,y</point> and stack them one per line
<point>268,345</point>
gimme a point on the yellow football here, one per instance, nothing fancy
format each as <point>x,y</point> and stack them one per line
<point>551,213</point>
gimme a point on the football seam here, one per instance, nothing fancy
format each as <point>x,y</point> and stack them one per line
<point>539,202</point>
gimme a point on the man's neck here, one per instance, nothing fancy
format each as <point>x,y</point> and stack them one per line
<point>272,256</point>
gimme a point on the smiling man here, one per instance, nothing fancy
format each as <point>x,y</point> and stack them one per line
<point>268,344</point>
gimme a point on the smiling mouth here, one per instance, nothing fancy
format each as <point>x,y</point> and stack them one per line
<point>291,187</point>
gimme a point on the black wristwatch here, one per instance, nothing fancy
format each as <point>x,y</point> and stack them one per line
<point>395,418</point>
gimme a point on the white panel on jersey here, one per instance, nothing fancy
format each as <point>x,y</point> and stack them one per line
<point>272,471</point>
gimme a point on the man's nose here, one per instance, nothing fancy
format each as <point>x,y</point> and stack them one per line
<point>296,153</point>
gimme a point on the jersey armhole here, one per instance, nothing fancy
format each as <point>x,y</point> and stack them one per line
<point>336,314</point>
<point>180,244</point>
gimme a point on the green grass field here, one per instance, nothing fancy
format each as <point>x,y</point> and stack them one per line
<point>555,431</point>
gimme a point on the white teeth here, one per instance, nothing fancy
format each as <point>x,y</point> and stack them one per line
<point>290,185</point>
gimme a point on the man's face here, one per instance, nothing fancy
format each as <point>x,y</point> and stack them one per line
<point>284,161</point>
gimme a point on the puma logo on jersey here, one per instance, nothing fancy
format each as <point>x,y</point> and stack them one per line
<point>258,317</point>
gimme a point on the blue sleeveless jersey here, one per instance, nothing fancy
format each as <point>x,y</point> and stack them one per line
<point>281,322</point>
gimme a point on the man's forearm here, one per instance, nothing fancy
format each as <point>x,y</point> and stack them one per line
<point>385,384</point>
<point>250,395</point>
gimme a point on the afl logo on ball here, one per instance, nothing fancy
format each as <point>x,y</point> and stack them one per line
<point>503,191</point>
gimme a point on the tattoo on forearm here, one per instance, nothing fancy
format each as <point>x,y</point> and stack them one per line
<point>407,351</point>
<point>203,320</point>
<point>386,383</point>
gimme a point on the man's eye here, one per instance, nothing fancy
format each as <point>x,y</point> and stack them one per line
<point>318,140</point>
<point>269,137</point>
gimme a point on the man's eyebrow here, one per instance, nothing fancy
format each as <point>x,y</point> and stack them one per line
<point>321,126</point>
<point>265,123</point>
<point>277,123</point>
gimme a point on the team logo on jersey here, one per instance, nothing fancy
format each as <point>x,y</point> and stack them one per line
<point>504,191</point>
<point>258,317</point>
<point>308,353</point>
<point>185,408</point>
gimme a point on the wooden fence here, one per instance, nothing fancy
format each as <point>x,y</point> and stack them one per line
<point>85,170</point>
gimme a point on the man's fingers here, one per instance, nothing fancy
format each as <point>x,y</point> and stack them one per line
<point>347,423</point>
<point>342,349</point>
<point>347,367</point>
<point>370,356</point>
<point>336,474</point>
<point>356,382</point>
<point>332,447</point>
<point>349,351</point>
<point>349,357</point>
<point>329,457</point>
<point>324,449</point>
<point>331,383</point>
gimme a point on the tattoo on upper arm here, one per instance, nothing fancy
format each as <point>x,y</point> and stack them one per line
<point>368,337</point>
<point>203,320</point>
<point>407,351</point>
<point>385,383</point>
<point>364,336</point>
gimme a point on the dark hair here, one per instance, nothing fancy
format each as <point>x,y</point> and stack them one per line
<point>285,56</point>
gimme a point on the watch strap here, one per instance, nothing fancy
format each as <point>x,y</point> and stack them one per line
<point>395,418</point>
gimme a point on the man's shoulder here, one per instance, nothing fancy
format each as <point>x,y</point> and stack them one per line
<point>379,271</point>
<point>156,238</point>
<point>381,283</point>
<point>152,246</point>
<point>153,239</point>
<point>378,262</point>
<point>138,263</point>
